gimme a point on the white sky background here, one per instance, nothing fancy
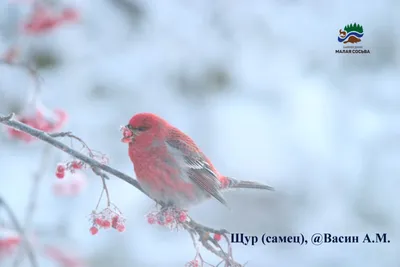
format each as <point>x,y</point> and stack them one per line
<point>320,127</point>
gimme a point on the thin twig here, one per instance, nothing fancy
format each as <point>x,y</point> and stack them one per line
<point>103,179</point>
<point>101,196</point>
<point>206,239</point>
<point>70,135</point>
<point>20,230</point>
<point>33,198</point>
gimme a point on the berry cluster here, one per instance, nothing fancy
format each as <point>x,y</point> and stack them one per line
<point>69,166</point>
<point>8,245</point>
<point>193,263</point>
<point>169,217</point>
<point>9,241</point>
<point>106,219</point>
<point>40,122</point>
<point>44,19</point>
<point>126,133</point>
<point>70,187</point>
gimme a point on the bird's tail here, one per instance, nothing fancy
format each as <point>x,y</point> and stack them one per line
<point>237,184</point>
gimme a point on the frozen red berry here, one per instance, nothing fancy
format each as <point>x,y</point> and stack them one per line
<point>126,132</point>
<point>106,224</point>
<point>217,237</point>
<point>60,175</point>
<point>60,168</point>
<point>151,220</point>
<point>120,228</point>
<point>98,221</point>
<point>76,165</point>
<point>114,221</point>
<point>94,230</point>
<point>168,219</point>
<point>182,217</point>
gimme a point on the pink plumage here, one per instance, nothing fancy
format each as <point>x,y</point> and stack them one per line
<point>171,168</point>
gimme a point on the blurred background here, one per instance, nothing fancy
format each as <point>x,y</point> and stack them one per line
<point>258,86</point>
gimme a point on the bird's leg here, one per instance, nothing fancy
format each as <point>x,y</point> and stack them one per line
<point>165,207</point>
<point>168,210</point>
<point>167,215</point>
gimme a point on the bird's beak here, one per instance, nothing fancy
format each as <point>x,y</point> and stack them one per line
<point>127,135</point>
<point>126,139</point>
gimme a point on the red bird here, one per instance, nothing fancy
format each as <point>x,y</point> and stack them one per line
<point>171,168</point>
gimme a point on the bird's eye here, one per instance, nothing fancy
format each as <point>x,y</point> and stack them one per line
<point>142,128</point>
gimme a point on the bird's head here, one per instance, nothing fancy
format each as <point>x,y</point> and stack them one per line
<point>140,124</point>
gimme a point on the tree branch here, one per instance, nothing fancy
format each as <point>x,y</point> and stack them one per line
<point>20,231</point>
<point>203,232</point>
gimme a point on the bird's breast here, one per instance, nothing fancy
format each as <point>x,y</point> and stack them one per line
<point>160,174</point>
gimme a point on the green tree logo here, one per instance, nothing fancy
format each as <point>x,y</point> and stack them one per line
<point>354,28</point>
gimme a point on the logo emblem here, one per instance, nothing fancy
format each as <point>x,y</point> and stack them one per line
<point>351,33</point>
<point>350,36</point>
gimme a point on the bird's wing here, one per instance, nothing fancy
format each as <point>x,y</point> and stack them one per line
<point>198,169</point>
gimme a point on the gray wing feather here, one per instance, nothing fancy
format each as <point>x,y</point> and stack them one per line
<point>197,168</point>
